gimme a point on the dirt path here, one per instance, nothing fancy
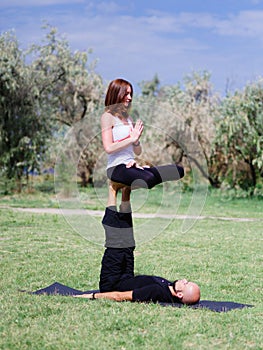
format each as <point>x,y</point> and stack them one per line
<point>135,215</point>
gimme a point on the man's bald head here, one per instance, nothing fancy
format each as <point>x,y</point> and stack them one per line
<point>187,292</point>
<point>191,294</point>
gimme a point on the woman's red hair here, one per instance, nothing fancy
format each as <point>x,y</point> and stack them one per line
<point>116,91</point>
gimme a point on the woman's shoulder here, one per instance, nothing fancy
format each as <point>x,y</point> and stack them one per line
<point>107,118</point>
<point>106,115</point>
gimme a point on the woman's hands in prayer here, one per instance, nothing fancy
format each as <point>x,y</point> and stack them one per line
<point>137,131</point>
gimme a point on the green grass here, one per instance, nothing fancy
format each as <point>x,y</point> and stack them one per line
<point>223,257</point>
<point>167,199</point>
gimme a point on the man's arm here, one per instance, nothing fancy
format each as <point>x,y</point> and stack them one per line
<point>116,296</point>
<point>153,292</point>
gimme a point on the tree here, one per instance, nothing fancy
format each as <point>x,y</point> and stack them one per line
<point>70,89</point>
<point>240,137</point>
<point>73,98</point>
<point>150,88</point>
<point>42,89</point>
<point>23,130</point>
<point>186,117</point>
<point>196,105</point>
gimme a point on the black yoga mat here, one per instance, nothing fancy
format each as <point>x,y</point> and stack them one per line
<point>218,306</point>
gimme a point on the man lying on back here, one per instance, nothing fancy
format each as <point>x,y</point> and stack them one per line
<point>146,288</point>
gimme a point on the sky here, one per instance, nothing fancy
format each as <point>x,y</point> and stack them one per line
<point>137,39</point>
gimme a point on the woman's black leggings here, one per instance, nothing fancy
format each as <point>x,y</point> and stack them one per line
<point>146,177</point>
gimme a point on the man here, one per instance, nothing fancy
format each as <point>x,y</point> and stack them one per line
<point>151,289</point>
<point>117,280</point>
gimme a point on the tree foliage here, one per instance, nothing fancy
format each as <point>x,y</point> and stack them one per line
<point>74,98</point>
<point>41,89</point>
<point>197,106</point>
<point>182,123</point>
<point>74,88</point>
<point>191,124</point>
<point>239,140</point>
<point>24,130</point>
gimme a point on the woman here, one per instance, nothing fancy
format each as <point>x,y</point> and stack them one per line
<point>121,141</point>
<point>120,137</point>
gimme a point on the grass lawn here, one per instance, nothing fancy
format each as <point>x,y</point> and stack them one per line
<point>223,257</point>
<point>164,199</point>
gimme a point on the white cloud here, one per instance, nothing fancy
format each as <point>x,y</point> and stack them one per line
<point>245,24</point>
<point>109,7</point>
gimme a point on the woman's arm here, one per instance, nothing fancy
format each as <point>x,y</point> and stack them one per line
<point>107,124</point>
<point>116,296</point>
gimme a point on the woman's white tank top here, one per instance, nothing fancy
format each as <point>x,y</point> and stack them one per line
<point>121,131</point>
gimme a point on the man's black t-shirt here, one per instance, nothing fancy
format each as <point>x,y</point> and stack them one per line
<point>149,288</point>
